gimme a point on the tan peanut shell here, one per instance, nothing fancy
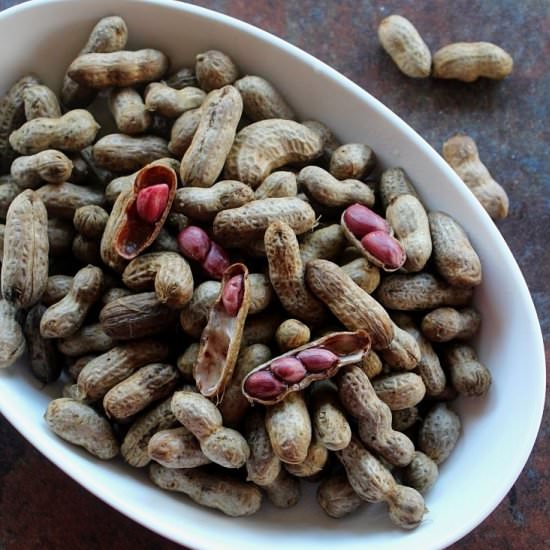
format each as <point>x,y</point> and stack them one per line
<point>60,236</point>
<point>359,398</point>
<point>371,364</point>
<point>221,338</point>
<point>117,364</point>
<point>373,482</point>
<point>71,132</point>
<point>12,339</point>
<point>400,391</point>
<point>286,273</point>
<point>108,35</point>
<point>263,465</point>
<point>215,69</point>
<point>213,490</point>
<point>65,317</point>
<point>363,274</point>
<point>187,359</point>
<point>90,221</point>
<point>148,384</point>
<point>51,166</point>
<point>336,496</point>
<point>26,246</point>
<point>238,226</point>
<point>81,425</point>
<point>128,110</point>
<point>352,161</point>
<point>446,323</point>
<point>261,293</point>
<point>234,404</point>
<point>171,103</point>
<point>328,191</point>
<point>454,256</point>
<point>174,281</point>
<point>185,76</point>
<point>468,376</point>
<point>285,491</point>
<point>289,427</point>
<point>461,153</point>
<point>203,204</point>
<point>176,448</point>
<point>204,159</point>
<point>88,339</point>
<point>182,132</point>
<point>140,274</point>
<point>134,448</point>
<point>63,199</point>
<point>261,100</point>
<point>264,146</point>
<point>351,305</point>
<point>330,425</point>
<point>467,61</point>
<point>194,315</point>
<point>122,153</point>
<point>439,433</point>
<point>330,143</point>
<point>57,287</point>
<point>410,223</point>
<point>322,244</point>
<point>420,291</point>
<point>292,334</point>
<point>404,44</point>
<point>107,249</point>
<point>315,461</point>
<point>40,101</point>
<point>394,182</point>
<point>12,116</point>
<point>403,352</point>
<point>8,191</point>
<point>136,316</point>
<point>120,68</point>
<point>421,473</point>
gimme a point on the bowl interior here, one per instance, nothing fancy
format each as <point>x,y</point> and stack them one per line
<point>498,431</point>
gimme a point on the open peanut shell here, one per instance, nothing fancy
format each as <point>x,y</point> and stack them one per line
<point>221,338</point>
<point>349,347</point>
<point>133,234</point>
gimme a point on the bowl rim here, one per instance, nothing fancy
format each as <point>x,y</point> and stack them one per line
<point>64,462</point>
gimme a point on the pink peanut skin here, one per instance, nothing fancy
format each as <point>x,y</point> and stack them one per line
<point>385,248</point>
<point>362,220</point>
<point>194,243</point>
<point>317,359</point>
<point>289,369</point>
<point>263,384</point>
<point>232,296</point>
<point>151,202</point>
<point>217,261</point>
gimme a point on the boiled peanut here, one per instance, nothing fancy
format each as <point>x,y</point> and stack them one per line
<point>64,199</point>
<point>65,317</point>
<point>400,391</point>
<point>371,364</point>
<point>182,132</point>
<point>439,433</point>
<point>315,461</point>
<point>40,101</point>
<point>285,491</point>
<point>83,426</point>
<point>187,360</point>
<point>292,334</point>
<point>57,287</point>
<point>421,473</point>
<point>468,376</point>
<point>26,246</point>
<point>454,256</point>
<point>363,274</point>
<point>71,132</point>
<point>330,143</point>
<point>336,496</point>
<point>194,315</point>
<point>181,78</point>
<point>12,340</point>
<point>352,161</point>
<point>467,61</point>
<point>230,496</point>
<point>445,323</point>
<point>171,103</point>
<point>215,69</point>
<point>404,419</point>
<point>394,182</point>
<point>261,100</point>
<point>266,145</point>
<point>403,352</point>
<point>90,221</point>
<point>49,165</point>
<point>88,339</point>
<point>223,446</point>
<point>358,397</point>
<point>176,448</point>
<point>461,153</point>
<point>128,110</point>
<point>404,44</point>
<point>8,191</point>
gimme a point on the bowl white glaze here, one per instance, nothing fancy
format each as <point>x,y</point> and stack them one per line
<point>499,431</point>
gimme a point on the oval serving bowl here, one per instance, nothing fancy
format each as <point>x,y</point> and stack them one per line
<point>498,431</point>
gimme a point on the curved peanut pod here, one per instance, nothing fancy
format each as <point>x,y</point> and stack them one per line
<point>221,338</point>
<point>176,448</point>
<point>132,234</point>
<point>348,347</point>
<point>264,146</point>
<point>286,272</point>
<point>353,307</point>
<point>370,257</point>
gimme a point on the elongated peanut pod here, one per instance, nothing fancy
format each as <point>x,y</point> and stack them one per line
<point>468,376</point>
<point>12,339</point>
<point>170,102</point>
<point>176,448</point>
<point>40,101</point>
<point>445,323</point>
<point>50,165</point>
<point>336,496</point>
<point>129,111</point>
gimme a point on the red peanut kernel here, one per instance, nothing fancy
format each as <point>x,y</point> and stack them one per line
<point>216,262</point>
<point>151,202</point>
<point>194,243</point>
<point>289,369</point>
<point>384,248</point>
<point>263,385</point>
<point>361,220</point>
<point>317,359</point>
<point>232,295</point>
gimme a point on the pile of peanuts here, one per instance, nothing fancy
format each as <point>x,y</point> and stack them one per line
<point>233,297</point>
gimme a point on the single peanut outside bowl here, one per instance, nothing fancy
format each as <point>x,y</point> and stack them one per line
<point>498,431</point>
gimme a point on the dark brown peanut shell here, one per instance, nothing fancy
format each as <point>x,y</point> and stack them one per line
<point>128,110</point>
<point>50,166</point>
<point>221,338</point>
<point>352,306</point>
<point>204,159</point>
<point>420,291</point>
<point>215,69</point>
<point>90,221</point>
<point>352,160</point>
<point>56,288</point>
<point>186,361</point>
<point>439,433</point>
<point>40,101</point>
<point>26,246</point>
<point>60,236</point>
<point>12,339</point>
<point>445,323</point>
<point>261,100</point>
<point>88,339</point>
<point>86,250</point>
<point>176,448</point>
<point>285,491</point>
<point>404,419</point>
<point>394,183</point>
<point>182,132</point>
<point>468,376</point>
<point>213,490</point>
<point>63,199</point>
<point>336,496</point>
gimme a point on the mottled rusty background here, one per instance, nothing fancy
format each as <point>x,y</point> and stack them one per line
<point>41,508</point>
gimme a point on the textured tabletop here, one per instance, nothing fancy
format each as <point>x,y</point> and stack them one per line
<point>42,508</point>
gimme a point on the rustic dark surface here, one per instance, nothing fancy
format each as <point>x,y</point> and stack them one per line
<point>42,508</point>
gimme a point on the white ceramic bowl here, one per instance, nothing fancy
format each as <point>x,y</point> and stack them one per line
<point>499,430</point>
